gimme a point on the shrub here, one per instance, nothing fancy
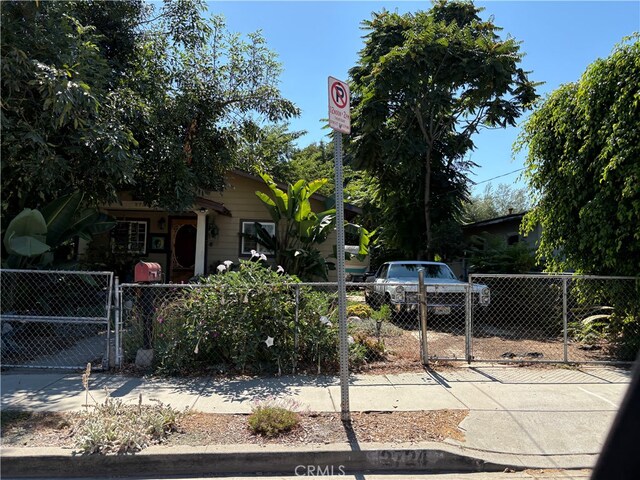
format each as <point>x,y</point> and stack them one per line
<point>112,427</point>
<point>226,324</point>
<point>361,310</point>
<point>272,418</point>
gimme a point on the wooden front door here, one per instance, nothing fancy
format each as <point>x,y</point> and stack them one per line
<point>183,249</point>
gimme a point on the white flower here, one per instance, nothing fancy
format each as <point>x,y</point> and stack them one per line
<point>254,254</point>
<point>350,340</point>
<point>228,263</point>
<point>269,341</point>
<point>263,257</point>
<point>221,268</point>
<point>280,269</point>
<point>325,320</point>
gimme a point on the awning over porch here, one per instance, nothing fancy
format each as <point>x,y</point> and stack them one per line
<point>202,202</point>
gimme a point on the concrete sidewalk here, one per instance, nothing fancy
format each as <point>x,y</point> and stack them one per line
<point>538,417</point>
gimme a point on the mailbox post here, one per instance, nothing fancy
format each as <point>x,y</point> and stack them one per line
<point>146,273</point>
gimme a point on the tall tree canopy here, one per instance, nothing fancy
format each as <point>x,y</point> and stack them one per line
<point>102,96</point>
<point>425,83</point>
<point>496,202</point>
<point>583,164</point>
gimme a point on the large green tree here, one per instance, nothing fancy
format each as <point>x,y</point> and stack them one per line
<point>424,84</point>
<point>496,202</point>
<point>583,164</point>
<point>104,96</point>
<point>62,122</point>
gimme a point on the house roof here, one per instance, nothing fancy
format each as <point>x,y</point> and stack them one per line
<point>496,220</point>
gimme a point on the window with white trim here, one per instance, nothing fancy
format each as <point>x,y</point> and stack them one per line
<point>129,236</point>
<point>247,244</point>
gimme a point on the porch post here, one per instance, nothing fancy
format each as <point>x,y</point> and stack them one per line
<point>201,241</point>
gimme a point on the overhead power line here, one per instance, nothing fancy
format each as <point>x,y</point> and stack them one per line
<point>499,176</point>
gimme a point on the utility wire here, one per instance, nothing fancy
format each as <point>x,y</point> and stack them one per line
<point>499,176</point>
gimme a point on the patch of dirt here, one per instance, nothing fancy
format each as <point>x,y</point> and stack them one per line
<point>199,429</point>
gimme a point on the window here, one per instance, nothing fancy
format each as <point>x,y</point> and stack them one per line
<point>130,236</point>
<point>247,244</point>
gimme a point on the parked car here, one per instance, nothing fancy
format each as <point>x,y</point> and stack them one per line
<point>396,284</point>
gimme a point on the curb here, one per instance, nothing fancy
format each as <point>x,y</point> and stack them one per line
<point>323,461</point>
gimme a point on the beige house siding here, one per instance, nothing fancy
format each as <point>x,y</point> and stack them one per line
<point>238,198</point>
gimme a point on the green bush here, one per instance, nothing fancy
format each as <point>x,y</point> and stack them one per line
<point>227,323</point>
<point>361,310</point>
<point>273,418</point>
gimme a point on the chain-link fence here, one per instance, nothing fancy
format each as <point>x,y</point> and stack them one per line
<point>55,319</point>
<point>282,328</point>
<point>556,318</point>
<point>293,328</point>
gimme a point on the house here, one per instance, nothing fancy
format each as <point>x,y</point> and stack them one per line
<point>507,226</point>
<point>195,242</point>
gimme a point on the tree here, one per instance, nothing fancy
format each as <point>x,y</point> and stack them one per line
<point>496,203</point>
<point>62,127</point>
<point>199,88</point>
<point>107,96</point>
<point>425,83</point>
<point>583,164</point>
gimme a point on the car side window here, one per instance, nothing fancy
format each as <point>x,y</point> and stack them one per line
<point>382,272</point>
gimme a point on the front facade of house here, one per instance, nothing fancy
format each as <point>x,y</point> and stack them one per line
<point>195,242</point>
<point>507,227</point>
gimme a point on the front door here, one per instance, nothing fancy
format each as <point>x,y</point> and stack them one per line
<point>183,249</point>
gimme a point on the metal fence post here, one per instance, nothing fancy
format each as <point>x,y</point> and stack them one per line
<point>468,305</point>
<point>564,319</point>
<point>295,332</point>
<point>423,316</point>
<point>117,304</point>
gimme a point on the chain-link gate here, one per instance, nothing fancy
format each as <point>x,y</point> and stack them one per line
<point>555,318</point>
<point>55,319</point>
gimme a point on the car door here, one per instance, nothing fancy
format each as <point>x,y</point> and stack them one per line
<point>381,279</point>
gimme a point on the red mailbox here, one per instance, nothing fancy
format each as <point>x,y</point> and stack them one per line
<point>147,272</point>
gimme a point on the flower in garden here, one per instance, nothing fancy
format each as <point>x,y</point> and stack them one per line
<point>228,263</point>
<point>280,269</point>
<point>269,341</point>
<point>263,257</point>
<point>254,254</point>
<point>350,340</point>
<point>325,320</point>
<point>160,319</point>
<point>221,268</point>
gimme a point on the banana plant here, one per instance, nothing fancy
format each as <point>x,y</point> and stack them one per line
<point>33,235</point>
<point>298,229</point>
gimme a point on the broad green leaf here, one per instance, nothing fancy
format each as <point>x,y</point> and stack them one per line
<point>26,246</point>
<point>28,223</point>
<point>59,216</point>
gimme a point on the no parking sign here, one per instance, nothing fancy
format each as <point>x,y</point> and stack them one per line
<point>339,106</point>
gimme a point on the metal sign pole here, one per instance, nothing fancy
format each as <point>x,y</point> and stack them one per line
<point>342,289</point>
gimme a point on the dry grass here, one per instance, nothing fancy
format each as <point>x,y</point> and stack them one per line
<point>198,429</point>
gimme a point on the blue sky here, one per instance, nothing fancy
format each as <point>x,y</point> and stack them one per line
<point>316,39</point>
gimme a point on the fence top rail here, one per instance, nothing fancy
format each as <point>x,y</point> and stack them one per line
<point>549,275</point>
<point>57,272</point>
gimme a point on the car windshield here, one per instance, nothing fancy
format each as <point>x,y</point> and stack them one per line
<point>410,270</point>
